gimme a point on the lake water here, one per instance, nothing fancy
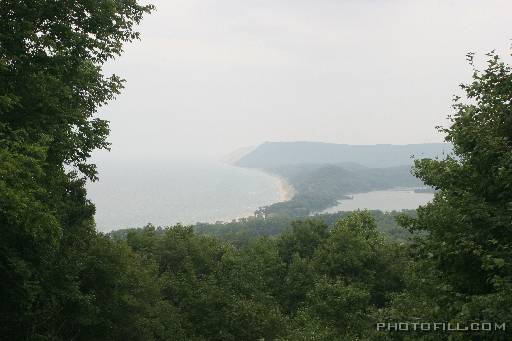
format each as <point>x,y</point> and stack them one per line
<point>389,200</point>
<point>132,194</point>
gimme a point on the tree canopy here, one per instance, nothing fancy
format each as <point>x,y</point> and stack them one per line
<point>51,87</point>
<point>467,250</point>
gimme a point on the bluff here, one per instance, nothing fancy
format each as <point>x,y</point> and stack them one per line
<point>271,154</point>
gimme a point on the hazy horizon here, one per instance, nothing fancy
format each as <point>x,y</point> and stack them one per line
<point>209,77</point>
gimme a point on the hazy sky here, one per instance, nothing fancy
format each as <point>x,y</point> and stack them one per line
<point>210,76</point>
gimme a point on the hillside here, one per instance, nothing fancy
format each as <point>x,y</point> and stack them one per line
<point>271,154</point>
<point>319,186</point>
<point>323,173</point>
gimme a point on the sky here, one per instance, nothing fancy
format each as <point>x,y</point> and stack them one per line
<point>211,76</point>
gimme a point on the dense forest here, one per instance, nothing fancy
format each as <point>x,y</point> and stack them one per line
<point>240,232</point>
<point>320,186</point>
<point>311,279</point>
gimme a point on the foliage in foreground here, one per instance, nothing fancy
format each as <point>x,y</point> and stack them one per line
<point>61,280</point>
<point>465,261</point>
<point>51,86</point>
<point>335,280</point>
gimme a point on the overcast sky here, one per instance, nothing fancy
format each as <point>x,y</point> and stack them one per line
<point>210,76</point>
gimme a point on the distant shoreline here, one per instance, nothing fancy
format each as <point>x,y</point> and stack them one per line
<point>286,190</point>
<point>286,193</point>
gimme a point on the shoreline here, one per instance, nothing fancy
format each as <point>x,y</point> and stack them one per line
<point>286,190</point>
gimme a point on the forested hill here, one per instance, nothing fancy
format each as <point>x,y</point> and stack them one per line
<point>323,173</point>
<point>271,154</point>
<point>319,186</point>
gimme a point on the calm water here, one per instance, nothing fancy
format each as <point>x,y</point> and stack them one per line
<point>131,194</point>
<point>388,200</point>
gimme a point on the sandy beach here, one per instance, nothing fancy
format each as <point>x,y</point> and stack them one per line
<point>286,190</point>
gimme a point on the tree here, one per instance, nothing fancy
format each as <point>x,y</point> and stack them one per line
<point>124,298</point>
<point>468,245</point>
<point>51,87</point>
<point>302,239</point>
<point>51,58</point>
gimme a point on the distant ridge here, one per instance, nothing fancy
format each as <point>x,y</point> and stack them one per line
<point>272,154</point>
<point>236,155</point>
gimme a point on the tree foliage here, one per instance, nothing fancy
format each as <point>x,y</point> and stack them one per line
<point>51,58</point>
<point>51,87</point>
<point>468,245</point>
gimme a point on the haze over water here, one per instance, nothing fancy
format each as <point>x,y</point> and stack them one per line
<point>132,194</point>
<point>213,75</point>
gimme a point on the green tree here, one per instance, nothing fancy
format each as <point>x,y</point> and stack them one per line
<point>219,292</point>
<point>51,58</point>
<point>302,238</point>
<point>124,298</point>
<point>51,87</point>
<point>468,246</point>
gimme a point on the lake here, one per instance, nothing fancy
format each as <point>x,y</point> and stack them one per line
<point>388,200</point>
<point>132,194</point>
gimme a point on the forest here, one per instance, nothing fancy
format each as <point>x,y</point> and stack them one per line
<point>342,277</point>
<point>240,232</point>
<point>321,174</point>
<point>320,186</point>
